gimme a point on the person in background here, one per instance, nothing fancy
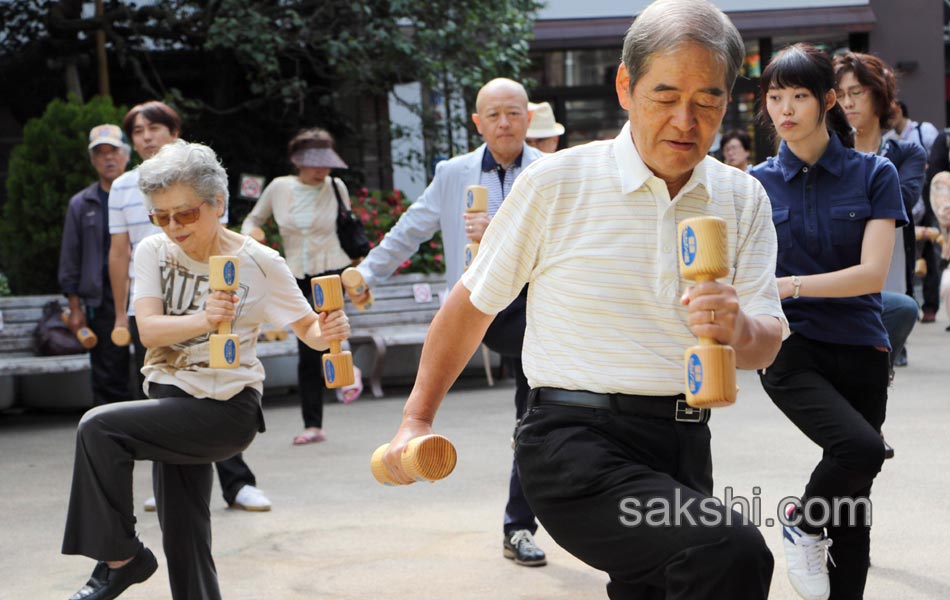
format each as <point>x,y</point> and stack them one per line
<point>867,90</point>
<point>196,414</point>
<point>736,148</point>
<point>502,118</point>
<point>84,265</point>
<point>937,160</point>
<point>305,207</point>
<point>544,133</point>
<point>835,211</point>
<point>151,126</point>
<point>905,128</point>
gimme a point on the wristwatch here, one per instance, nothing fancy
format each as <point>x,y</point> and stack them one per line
<point>797,282</point>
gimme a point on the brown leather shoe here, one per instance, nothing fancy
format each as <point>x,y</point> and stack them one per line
<point>930,315</point>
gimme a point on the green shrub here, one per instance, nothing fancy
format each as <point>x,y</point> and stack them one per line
<point>45,171</point>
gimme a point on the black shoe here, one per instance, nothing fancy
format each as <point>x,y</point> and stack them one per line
<point>519,546</point>
<point>106,583</point>
<point>888,451</point>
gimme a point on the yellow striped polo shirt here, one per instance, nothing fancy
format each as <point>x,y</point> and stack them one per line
<point>593,231</point>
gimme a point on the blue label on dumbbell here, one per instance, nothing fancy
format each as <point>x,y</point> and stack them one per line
<point>470,199</point>
<point>229,273</point>
<point>688,246</point>
<point>468,257</point>
<point>318,298</point>
<point>230,351</point>
<point>331,372</point>
<point>694,374</point>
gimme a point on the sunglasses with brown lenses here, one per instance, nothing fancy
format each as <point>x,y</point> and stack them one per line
<point>182,217</point>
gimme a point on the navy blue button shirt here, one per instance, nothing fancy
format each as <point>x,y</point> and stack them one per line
<point>820,212</point>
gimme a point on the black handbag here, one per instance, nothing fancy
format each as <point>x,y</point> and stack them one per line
<point>349,228</point>
<point>52,336</point>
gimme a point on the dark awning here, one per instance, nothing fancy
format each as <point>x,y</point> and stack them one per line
<point>608,32</point>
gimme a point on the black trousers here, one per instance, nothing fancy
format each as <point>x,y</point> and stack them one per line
<point>109,363</point>
<point>310,384</point>
<point>837,395</point>
<point>505,336</point>
<point>233,473</point>
<point>930,252</point>
<point>579,466</point>
<point>183,435</point>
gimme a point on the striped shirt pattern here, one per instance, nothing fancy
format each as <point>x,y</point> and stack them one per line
<point>496,191</point>
<point>127,214</point>
<point>594,232</point>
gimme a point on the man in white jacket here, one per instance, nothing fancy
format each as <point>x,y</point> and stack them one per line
<point>501,118</point>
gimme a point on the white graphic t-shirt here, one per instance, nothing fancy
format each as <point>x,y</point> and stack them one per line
<point>268,293</point>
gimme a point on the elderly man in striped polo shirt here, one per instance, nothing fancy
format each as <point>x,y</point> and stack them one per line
<point>593,229</point>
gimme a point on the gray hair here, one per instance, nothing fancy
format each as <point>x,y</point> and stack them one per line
<point>194,165</point>
<point>666,24</point>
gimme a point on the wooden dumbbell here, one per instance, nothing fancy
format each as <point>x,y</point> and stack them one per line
<point>355,285</point>
<point>710,367</point>
<point>121,336</point>
<point>225,346</point>
<point>337,363</point>
<point>426,458</point>
<point>87,338</point>
<point>476,201</point>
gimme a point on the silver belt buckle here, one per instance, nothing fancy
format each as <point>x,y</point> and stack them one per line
<point>688,414</point>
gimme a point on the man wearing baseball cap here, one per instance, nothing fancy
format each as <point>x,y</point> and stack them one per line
<point>544,131</point>
<point>84,264</point>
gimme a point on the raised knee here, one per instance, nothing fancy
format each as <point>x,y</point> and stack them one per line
<point>864,455</point>
<point>91,422</point>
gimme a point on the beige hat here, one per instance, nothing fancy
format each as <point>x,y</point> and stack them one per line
<point>543,124</point>
<point>106,134</point>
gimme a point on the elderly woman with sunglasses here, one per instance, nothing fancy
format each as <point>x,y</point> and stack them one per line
<point>196,415</point>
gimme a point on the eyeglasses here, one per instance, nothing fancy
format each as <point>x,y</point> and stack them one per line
<point>855,93</point>
<point>182,217</point>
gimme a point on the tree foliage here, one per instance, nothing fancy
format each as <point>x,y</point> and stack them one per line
<point>247,74</point>
<point>45,171</point>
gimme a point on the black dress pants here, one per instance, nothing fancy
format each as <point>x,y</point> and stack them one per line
<point>183,435</point>
<point>505,336</point>
<point>310,384</point>
<point>579,466</point>
<point>837,395</point>
<point>109,363</point>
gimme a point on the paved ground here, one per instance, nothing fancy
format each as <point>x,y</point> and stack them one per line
<point>336,534</point>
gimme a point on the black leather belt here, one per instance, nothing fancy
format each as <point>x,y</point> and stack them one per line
<point>659,407</point>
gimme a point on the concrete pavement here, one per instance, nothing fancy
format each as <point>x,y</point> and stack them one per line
<point>335,533</point>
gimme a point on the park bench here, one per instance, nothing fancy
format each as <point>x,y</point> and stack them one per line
<point>17,357</point>
<point>403,308</point>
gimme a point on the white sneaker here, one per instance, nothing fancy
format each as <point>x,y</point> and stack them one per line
<point>806,556</point>
<point>150,505</point>
<point>252,499</point>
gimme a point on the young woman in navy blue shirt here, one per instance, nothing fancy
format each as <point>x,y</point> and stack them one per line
<point>834,211</point>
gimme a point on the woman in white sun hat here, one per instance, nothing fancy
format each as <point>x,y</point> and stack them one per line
<point>544,131</point>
